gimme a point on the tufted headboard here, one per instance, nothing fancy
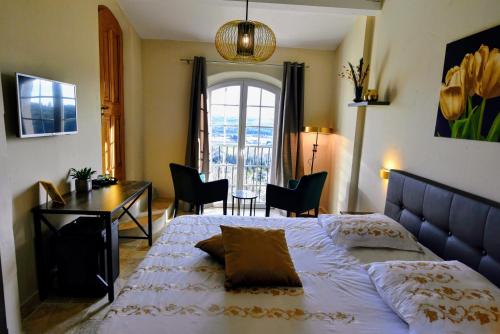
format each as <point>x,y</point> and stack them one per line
<point>454,224</point>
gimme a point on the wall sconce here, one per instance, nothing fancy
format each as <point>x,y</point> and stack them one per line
<point>384,173</point>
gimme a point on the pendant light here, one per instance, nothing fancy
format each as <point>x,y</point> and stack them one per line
<point>245,41</point>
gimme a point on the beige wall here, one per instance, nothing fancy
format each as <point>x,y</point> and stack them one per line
<point>167,84</point>
<point>58,39</point>
<point>67,55</point>
<point>7,246</point>
<point>407,62</point>
<point>344,118</point>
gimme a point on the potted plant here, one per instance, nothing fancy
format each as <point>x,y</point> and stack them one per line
<point>358,76</point>
<point>83,179</point>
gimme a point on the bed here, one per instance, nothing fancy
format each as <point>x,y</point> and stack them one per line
<point>180,289</point>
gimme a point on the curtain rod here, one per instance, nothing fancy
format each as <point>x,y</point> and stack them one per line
<point>189,61</point>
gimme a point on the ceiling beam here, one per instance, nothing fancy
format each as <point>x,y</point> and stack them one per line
<point>353,7</point>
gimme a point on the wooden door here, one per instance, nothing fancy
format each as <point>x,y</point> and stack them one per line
<point>112,111</point>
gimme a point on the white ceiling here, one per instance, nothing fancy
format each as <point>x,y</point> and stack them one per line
<point>313,24</point>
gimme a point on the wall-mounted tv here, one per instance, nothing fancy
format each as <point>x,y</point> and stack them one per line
<point>45,107</point>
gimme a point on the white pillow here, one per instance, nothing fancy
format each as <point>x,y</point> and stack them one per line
<point>373,230</point>
<point>438,297</point>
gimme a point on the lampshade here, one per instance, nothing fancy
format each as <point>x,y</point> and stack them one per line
<point>325,131</point>
<point>245,41</point>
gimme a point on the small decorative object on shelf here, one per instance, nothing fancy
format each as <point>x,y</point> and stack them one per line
<point>371,95</point>
<point>358,76</point>
<point>83,179</point>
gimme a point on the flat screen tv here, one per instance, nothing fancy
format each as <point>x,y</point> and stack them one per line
<point>45,107</point>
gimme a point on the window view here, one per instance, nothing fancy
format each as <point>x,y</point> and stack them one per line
<point>224,115</point>
<point>241,122</point>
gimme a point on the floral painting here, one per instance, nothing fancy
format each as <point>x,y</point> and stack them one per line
<point>469,99</point>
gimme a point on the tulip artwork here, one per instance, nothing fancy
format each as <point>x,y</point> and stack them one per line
<point>469,98</point>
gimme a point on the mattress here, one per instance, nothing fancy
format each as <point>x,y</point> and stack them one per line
<point>180,289</point>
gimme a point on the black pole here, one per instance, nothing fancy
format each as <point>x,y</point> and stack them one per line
<point>246,18</point>
<point>315,149</point>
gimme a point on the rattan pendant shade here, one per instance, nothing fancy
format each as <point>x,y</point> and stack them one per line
<point>245,41</point>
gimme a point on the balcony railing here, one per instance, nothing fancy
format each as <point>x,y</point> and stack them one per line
<point>256,170</point>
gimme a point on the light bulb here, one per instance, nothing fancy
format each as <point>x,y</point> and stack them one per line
<point>245,40</point>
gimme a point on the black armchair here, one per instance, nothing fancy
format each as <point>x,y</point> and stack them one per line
<point>189,187</point>
<point>300,196</point>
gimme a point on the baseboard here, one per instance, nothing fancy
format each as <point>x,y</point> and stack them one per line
<point>30,305</point>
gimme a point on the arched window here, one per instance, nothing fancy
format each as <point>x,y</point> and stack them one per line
<point>242,130</point>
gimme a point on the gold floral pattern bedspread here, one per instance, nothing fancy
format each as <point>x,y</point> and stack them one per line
<point>179,289</point>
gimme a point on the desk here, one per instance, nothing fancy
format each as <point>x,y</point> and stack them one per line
<point>104,202</point>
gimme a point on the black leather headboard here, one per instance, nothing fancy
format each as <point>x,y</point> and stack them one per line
<point>454,224</point>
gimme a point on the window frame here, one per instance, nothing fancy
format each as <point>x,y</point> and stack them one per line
<point>244,85</point>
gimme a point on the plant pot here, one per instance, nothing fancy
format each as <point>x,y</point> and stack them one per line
<point>83,186</point>
<point>358,94</point>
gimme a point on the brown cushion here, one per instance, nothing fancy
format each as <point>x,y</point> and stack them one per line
<point>257,257</point>
<point>213,246</point>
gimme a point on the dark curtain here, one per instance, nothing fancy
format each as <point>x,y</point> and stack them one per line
<point>197,155</point>
<point>289,162</point>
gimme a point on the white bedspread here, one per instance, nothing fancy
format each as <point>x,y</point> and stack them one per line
<point>180,289</point>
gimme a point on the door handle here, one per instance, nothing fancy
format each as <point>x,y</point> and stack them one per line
<point>103,108</point>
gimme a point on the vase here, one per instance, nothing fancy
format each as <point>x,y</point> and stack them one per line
<point>358,94</point>
<point>83,186</point>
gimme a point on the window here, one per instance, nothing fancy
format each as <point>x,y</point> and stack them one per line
<point>242,117</point>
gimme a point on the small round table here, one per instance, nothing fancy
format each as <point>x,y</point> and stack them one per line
<point>244,195</point>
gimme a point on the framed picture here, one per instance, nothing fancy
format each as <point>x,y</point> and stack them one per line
<point>52,192</point>
<point>469,99</point>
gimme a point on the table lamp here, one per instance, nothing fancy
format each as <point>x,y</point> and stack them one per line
<point>318,130</point>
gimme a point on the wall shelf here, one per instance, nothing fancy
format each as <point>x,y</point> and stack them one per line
<point>369,103</point>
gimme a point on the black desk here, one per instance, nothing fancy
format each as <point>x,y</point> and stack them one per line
<point>105,203</point>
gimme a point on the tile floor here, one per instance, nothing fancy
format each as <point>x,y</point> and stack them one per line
<point>81,315</point>
<point>76,315</point>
